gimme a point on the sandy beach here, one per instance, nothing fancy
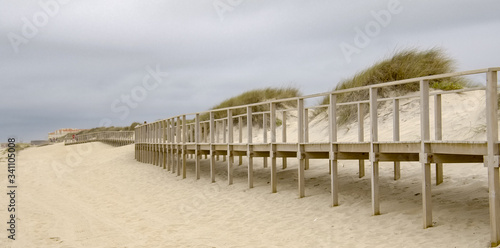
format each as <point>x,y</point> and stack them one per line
<point>96,195</point>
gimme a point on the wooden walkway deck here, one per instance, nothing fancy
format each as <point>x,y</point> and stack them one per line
<point>169,142</point>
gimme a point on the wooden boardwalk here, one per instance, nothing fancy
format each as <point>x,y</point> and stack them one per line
<point>169,142</point>
<point>115,138</point>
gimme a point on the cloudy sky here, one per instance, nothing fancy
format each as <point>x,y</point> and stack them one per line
<point>82,64</point>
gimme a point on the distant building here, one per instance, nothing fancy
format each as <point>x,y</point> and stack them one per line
<point>4,145</point>
<point>61,132</point>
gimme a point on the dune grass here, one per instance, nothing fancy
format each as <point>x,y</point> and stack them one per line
<point>254,96</point>
<point>405,64</point>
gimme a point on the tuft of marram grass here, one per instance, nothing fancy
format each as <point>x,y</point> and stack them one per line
<point>254,96</point>
<point>405,64</point>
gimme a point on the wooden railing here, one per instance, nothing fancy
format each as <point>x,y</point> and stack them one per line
<point>116,138</point>
<point>169,142</point>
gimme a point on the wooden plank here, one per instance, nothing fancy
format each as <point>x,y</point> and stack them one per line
<point>373,152</point>
<point>426,171</point>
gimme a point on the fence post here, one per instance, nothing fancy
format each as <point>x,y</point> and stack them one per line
<point>361,136</point>
<point>438,132</point>
<point>492,159</point>
<point>300,147</point>
<point>332,131</point>
<point>249,147</point>
<point>240,137</point>
<point>424,150</point>
<point>212,148</point>
<point>306,134</point>
<point>395,136</point>
<point>264,139</point>
<point>283,136</point>
<point>230,140</point>
<point>272,147</point>
<point>197,145</point>
<point>374,151</point>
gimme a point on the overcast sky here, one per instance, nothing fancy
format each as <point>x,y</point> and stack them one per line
<point>82,64</point>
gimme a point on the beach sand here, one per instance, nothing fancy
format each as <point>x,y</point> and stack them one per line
<point>96,195</point>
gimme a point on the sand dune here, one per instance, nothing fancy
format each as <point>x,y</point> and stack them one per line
<point>95,195</point>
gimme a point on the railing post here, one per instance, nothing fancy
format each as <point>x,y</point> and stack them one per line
<point>361,136</point>
<point>217,127</point>
<point>224,137</point>
<point>300,147</point>
<point>283,136</point>
<point>492,159</point>
<point>264,133</point>
<point>240,136</point>
<point>184,140</point>
<point>172,141</point>
<point>179,147</point>
<point>197,146</point>
<point>438,132</point>
<point>249,147</point>
<point>374,151</point>
<point>332,131</point>
<point>230,141</point>
<point>306,134</point>
<point>424,150</point>
<point>205,135</point>
<point>212,147</point>
<point>164,143</point>
<point>272,147</point>
<point>395,136</point>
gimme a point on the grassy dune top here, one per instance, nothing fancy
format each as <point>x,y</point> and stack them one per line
<point>254,96</point>
<point>402,65</point>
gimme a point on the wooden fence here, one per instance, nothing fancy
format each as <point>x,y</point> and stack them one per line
<point>116,138</point>
<point>169,142</point>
